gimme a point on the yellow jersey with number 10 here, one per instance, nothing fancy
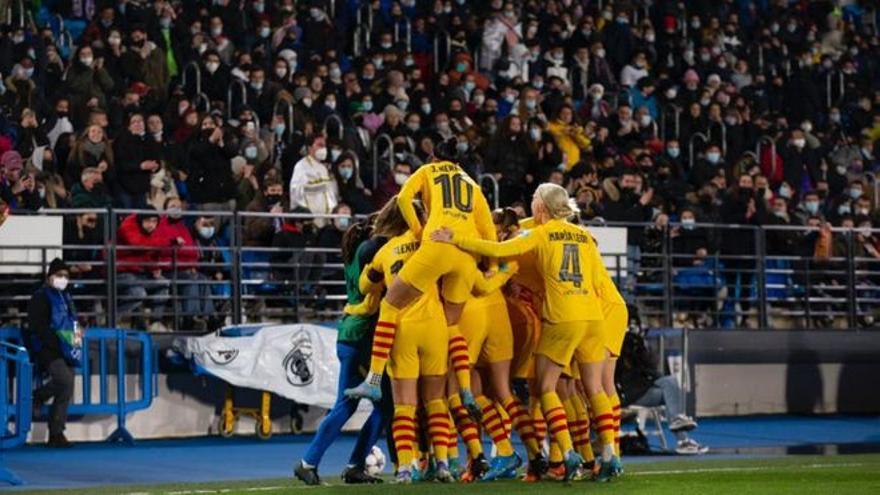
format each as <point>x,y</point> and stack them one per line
<point>569,264</point>
<point>451,198</point>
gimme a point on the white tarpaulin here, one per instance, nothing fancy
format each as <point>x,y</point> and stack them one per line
<point>294,361</point>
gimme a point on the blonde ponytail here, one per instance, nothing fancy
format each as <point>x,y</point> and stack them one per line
<point>555,198</point>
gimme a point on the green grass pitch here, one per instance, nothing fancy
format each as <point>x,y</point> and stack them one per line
<point>798,475</point>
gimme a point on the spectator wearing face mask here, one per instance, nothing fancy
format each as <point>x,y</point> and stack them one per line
<point>259,231</point>
<point>570,136</point>
<point>330,236</point>
<point>311,186</point>
<point>18,187</point>
<point>780,241</point>
<point>139,273</point>
<point>137,158</point>
<point>21,91</point>
<point>351,189</point>
<point>87,79</point>
<point>706,167</point>
<point>210,182</point>
<point>390,185</point>
<point>507,159</point>
<point>54,339</point>
<point>801,163</point>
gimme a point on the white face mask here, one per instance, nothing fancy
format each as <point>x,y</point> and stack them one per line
<point>206,232</point>
<point>400,178</point>
<point>60,283</point>
<point>321,154</point>
<point>212,66</point>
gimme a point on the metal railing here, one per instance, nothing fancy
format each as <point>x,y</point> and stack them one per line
<point>243,93</point>
<point>110,357</point>
<point>15,402</point>
<point>742,278</point>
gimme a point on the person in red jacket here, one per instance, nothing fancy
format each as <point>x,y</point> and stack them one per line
<point>179,263</point>
<point>138,269</point>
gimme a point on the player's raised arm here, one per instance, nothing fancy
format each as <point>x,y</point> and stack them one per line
<point>406,196</point>
<point>521,244</point>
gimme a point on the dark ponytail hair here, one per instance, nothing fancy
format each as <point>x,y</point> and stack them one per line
<point>354,236</point>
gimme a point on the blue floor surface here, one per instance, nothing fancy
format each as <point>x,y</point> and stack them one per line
<point>216,459</point>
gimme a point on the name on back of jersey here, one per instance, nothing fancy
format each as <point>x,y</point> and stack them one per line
<point>568,236</point>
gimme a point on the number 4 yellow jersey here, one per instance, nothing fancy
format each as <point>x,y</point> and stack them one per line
<point>452,199</point>
<point>569,263</point>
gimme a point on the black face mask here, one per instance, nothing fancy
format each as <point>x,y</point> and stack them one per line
<point>273,199</point>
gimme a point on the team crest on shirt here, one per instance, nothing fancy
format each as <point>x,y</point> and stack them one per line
<point>299,362</point>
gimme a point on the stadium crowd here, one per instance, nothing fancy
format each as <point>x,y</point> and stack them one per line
<point>644,111</point>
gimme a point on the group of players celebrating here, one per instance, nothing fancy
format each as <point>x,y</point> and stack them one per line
<point>469,299</point>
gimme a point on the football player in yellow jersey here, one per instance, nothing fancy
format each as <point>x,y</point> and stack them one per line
<point>418,355</point>
<point>572,313</point>
<point>597,374</point>
<point>451,199</point>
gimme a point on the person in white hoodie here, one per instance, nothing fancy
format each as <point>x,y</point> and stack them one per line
<point>311,185</point>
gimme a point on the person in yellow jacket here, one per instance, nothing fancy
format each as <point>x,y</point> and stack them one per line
<point>570,137</point>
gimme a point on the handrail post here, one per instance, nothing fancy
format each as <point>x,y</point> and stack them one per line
<point>198,71</point>
<point>703,138</point>
<point>175,299</point>
<point>334,117</point>
<point>380,138</point>
<point>235,276</point>
<point>852,305</point>
<point>496,190</point>
<point>112,286</point>
<point>243,92</point>
<point>667,278</point>
<point>761,276</point>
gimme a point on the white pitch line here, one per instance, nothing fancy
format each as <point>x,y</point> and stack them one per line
<point>743,469</point>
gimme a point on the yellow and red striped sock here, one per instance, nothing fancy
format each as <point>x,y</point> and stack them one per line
<point>505,419</point>
<point>615,411</point>
<point>582,429</point>
<point>466,426</point>
<point>557,425</point>
<point>522,423</point>
<point>494,425</point>
<point>575,427</point>
<point>403,431</point>
<point>459,358</point>
<point>538,423</point>
<point>555,453</point>
<point>383,340</point>
<point>438,428</point>
<point>452,438</point>
<point>603,418</point>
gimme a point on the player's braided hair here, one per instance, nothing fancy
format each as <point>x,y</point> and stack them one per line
<point>555,199</point>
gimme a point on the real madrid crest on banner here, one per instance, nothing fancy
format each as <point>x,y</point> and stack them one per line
<point>299,364</point>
